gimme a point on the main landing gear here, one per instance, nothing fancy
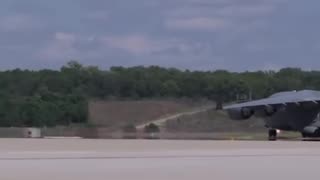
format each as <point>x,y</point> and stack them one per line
<point>304,135</point>
<point>272,134</point>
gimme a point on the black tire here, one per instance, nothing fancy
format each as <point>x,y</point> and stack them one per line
<point>272,135</point>
<point>304,135</point>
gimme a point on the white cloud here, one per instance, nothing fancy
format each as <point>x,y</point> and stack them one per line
<point>215,15</point>
<point>18,22</point>
<point>140,44</point>
<point>166,47</point>
<point>64,46</point>
<point>65,37</point>
<point>237,11</point>
<point>231,8</point>
<point>271,67</point>
<point>98,15</point>
<point>196,23</point>
<point>61,47</point>
<point>135,44</point>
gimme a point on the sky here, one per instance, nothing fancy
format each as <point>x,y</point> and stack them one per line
<point>236,35</point>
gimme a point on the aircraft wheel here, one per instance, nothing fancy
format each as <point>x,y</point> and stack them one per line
<point>272,134</point>
<point>304,135</point>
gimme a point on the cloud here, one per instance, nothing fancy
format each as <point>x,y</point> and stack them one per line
<point>18,22</point>
<point>135,44</point>
<point>98,15</point>
<point>215,8</point>
<point>196,23</point>
<point>61,47</point>
<point>68,38</point>
<point>271,67</point>
<point>142,44</point>
<point>237,11</point>
<point>217,16</point>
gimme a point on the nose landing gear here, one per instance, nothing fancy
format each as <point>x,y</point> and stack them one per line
<point>272,134</point>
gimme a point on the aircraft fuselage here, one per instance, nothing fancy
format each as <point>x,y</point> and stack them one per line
<point>293,118</point>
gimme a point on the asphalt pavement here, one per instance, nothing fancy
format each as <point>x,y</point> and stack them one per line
<point>80,159</point>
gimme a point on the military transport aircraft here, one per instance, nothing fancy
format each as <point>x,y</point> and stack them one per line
<point>288,111</point>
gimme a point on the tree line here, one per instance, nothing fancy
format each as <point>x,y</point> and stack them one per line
<point>60,97</point>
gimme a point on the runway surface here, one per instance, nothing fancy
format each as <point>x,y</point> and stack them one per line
<point>78,159</point>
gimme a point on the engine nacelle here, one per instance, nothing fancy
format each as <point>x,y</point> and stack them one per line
<point>268,111</point>
<point>240,113</point>
<point>311,131</point>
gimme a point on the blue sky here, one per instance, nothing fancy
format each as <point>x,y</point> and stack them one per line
<point>236,35</point>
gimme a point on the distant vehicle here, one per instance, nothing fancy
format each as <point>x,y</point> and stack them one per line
<point>288,111</point>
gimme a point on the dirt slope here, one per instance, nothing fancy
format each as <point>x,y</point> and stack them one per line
<point>119,113</point>
<point>213,121</point>
<point>162,121</point>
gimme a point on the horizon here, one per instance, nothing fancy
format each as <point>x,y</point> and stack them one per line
<point>149,66</point>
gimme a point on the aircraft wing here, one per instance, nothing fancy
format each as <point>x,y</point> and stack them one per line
<point>274,101</point>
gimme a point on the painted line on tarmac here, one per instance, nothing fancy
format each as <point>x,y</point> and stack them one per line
<point>158,157</point>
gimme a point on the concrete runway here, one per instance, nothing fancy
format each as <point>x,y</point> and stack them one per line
<point>78,159</point>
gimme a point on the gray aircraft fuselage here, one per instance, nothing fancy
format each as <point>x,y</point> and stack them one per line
<point>293,118</point>
<point>290,111</point>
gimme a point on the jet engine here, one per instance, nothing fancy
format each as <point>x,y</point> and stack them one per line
<point>266,112</point>
<point>311,131</point>
<point>240,113</point>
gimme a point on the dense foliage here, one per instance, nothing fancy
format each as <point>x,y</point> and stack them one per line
<point>50,97</point>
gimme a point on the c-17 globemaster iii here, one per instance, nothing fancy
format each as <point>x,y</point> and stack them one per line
<point>288,111</point>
